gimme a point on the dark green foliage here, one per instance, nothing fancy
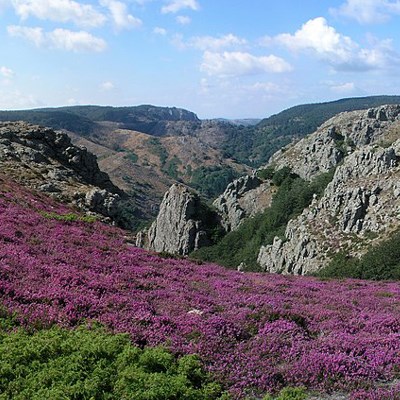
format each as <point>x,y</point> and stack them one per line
<point>380,262</point>
<point>93,364</point>
<point>158,149</point>
<point>54,118</point>
<point>131,156</point>
<point>266,173</point>
<point>171,167</point>
<point>210,221</point>
<point>242,245</point>
<point>212,181</point>
<point>128,216</point>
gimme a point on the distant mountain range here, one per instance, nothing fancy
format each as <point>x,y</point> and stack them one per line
<point>146,148</point>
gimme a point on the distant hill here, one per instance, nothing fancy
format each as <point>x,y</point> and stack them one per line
<point>145,148</point>
<point>80,119</point>
<point>255,145</point>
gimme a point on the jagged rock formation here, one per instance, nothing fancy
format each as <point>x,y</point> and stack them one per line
<point>242,198</point>
<point>338,137</point>
<point>362,203</point>
<point>179,227</point>
<point>46,160</point>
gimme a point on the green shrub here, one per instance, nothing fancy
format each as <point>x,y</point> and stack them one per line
<point>93,364</point>
<point>266,173</point>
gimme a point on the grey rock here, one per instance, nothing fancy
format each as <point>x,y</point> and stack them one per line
<point>46,160</point>
<point>242,198</point>
<point>359,200</point>
<point>102,201</point>
<point>179,228</point>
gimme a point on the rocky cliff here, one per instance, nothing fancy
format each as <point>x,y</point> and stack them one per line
<point>243,198</point>
<point>181,226</point>
<point>46,160</point>
<point>362,203</point>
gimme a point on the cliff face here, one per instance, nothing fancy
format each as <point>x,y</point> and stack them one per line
<point>46,160</point>
<point>243,198</point>
<point>180,226</point>
<point>359,207</point>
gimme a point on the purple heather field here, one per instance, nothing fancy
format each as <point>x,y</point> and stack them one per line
<point>254,332</point>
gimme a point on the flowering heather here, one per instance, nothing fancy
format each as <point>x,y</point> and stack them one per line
<point>254,332</point>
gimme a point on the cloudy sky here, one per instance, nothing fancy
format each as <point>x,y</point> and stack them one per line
<point>218,58</point>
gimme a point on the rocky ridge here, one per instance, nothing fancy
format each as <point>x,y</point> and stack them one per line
<point>180,225</point>
<point>46,160</point>
<point>243,198</point>
<point>362,203</point>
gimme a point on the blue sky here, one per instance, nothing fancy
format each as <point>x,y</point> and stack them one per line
<point>218,58</point>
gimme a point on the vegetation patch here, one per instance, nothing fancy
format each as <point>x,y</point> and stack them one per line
<point>379,263</point>
<point>89,363</point>
<point>212,181</point>
<point>69,217</point>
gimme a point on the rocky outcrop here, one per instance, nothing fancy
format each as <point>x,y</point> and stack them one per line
<point>180,227</point>
<point>360,206</point>
<point>318,153</point>
<point>46,160</point>
<point>338,137</point>
<point>242,198</point>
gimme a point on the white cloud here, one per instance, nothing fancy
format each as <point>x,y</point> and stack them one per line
<point>318,36</point>
<point>120,16</point>
<point>59,11</point>
<point>368,11</point>
<point>106,86</point>
<point>34,35</point>
<point>6,72</point>
<point>183,20</point>
<point>346,87</point>
<point>240,63</point>
<point>340,51</point>
<point>216,43</point>
<point>266,87</point>
<point>16,99</point>
<point>61,39</point>
<point>81,41</point>
<point>175,6</point>
<point>160,31</point>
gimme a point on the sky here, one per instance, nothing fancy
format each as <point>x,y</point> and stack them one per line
<point>217,58</point>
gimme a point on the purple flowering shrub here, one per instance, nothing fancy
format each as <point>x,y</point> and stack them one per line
<point>255,332</point>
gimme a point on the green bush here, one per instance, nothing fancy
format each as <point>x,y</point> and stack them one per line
<point>93,364</point>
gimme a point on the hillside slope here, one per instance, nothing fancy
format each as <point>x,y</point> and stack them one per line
<point>255,333</point>
<point>300,233</point>
<point>145,149</point>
